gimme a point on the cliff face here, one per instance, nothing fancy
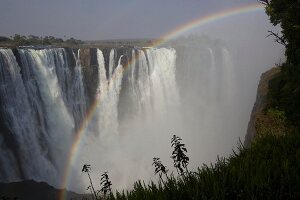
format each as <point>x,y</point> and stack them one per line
<point>89,64</point>
<point>88,60</point>
<point>260,103</point>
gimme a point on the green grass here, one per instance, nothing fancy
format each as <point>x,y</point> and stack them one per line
<point>284,93</point>
<point>269,169</point>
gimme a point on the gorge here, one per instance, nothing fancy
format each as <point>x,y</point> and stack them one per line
<point>102,98</point>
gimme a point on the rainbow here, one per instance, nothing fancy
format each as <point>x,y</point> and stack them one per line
<point>191,25</point>
<point>203,20</point>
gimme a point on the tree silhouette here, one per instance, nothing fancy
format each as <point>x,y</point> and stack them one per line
<point>105,184</point>
<point>160,168</point>
<point>179,157</point>
<point>265,2</point>
<point>87,168</point>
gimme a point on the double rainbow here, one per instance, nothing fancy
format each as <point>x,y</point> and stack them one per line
<point>256,7</point>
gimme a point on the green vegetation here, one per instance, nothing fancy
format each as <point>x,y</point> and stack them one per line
<point>269,169</point>
<point>272,121</point>
<point>180,160</point>
<point>105,184</point>
<point>86,168</point>
<point>21,40</point>
<point>285,89</point>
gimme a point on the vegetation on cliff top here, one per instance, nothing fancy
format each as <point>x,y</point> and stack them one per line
<point>285,89</point>
<point>21,40</point>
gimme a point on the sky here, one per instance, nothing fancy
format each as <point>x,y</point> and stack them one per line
<point>104,19</point>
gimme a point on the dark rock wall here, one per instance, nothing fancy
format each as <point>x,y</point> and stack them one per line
<point>89,63</point>
<point>88,59</point>
<point>260,103</point>
<point>31,190</point>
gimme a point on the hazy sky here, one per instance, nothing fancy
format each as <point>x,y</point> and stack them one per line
<point>104,19</point>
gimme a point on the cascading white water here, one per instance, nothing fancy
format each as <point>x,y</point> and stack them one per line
<point>139,107</point>
<point>162,77</point>
<point>211,78</point>
<point>143,84</point>
<point>48,98</point>
<point>111,61</point>
<point>36,149</point>
<point>14,97</point>
<point>152,90</point>
<point>75,90</point>
<point>108,97</point>
<point>228,74</point>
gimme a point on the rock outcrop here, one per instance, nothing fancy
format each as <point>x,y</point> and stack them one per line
<point>260,103</point>
<point>32,190</point>
<point>88,60</point>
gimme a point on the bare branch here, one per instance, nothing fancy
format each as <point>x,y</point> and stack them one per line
<point>278,39</point>
<point>265,2</point>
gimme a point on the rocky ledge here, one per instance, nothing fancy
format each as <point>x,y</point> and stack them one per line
<point>260,103</point>
<point>32,190</point>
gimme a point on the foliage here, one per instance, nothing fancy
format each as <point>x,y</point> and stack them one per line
<point>105,183</point>
<point>4,39</point>
<point>269,169</point>
<point>272,121</point>
<point>87,168</point>
<point>21,40</point>
<point>285,89</point>
<point>73,41</point>
<point>179,157</point>
<point>159,167</point>
<point>286,14</point>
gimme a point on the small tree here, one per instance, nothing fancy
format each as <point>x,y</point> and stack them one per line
<point>160,168</point>
<point>86,168</point>
<point>181,160</point>
<point>105,184</point>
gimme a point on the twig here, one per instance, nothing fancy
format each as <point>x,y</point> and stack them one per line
<point>278,39</point>
<point>265,2</point>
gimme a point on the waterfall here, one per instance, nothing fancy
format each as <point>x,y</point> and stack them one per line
<point>138,98</point>
<point>31,112</point>
<point>211,78</point>
<point>144,92</point>
<point>229,74</point>
<point>162,78</point>
<point>108,97</point>
<point>41,108</point>
<point>111,61</point>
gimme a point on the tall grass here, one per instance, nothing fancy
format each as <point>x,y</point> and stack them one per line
<point>269,169</point>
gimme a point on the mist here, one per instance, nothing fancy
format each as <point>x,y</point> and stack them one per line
<point>217,70</point>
